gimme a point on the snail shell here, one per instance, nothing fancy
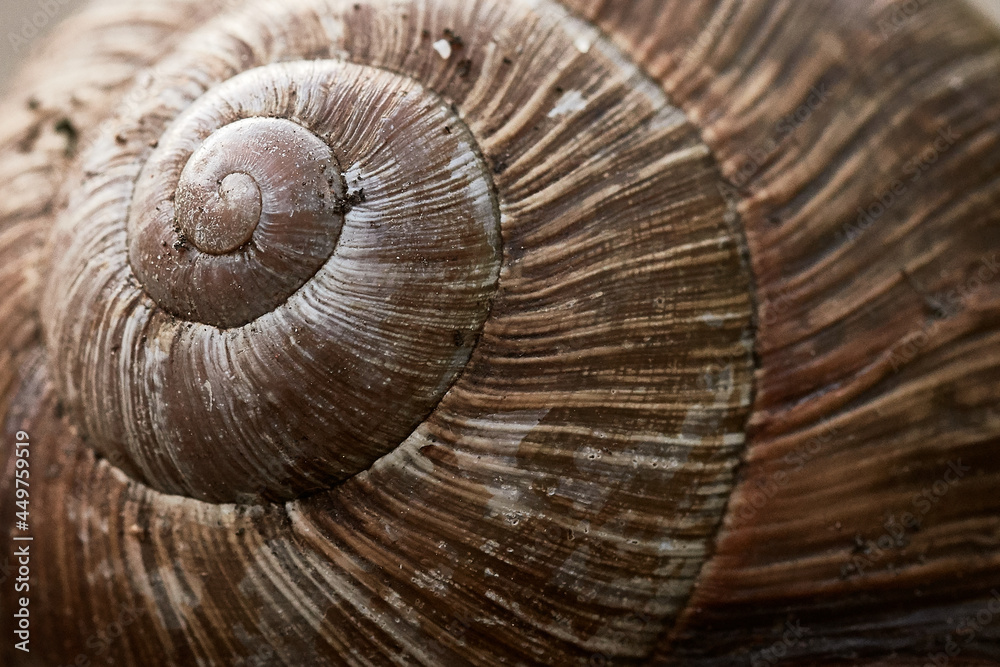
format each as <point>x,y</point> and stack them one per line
<point>264,280</point>
<point>433,332</point>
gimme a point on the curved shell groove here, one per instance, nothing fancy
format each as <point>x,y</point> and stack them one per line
<point>511,395</point>
<point>455,310</point>
<point>387,320</point>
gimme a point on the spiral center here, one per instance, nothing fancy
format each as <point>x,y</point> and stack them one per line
<point>226,222</point>
<point>317,246</point>
<point>253,213</point>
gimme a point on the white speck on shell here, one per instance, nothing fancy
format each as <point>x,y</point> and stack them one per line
<point>571,101</point>
<point>443,48</point>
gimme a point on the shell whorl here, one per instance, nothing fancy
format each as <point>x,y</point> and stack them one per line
<point>490,307</point>
<point>252,279</point>
<point>455,310</point>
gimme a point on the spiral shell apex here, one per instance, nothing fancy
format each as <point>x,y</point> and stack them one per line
<point>288,291</point>
<point>443,332</point>
<point>312,249</point>
<point>336,270</point>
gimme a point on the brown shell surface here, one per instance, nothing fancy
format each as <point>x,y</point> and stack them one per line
<point>878,336</point>
<point>673,408</point>
<point>556,499</point>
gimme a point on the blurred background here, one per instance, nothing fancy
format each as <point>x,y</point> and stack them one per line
<point>25,22</point>
<point>20,33</point>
